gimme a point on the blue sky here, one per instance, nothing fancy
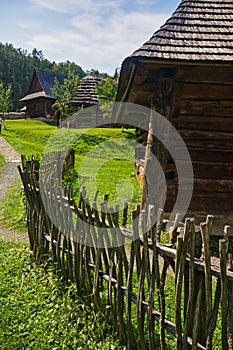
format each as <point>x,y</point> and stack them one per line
<point>95,34</point>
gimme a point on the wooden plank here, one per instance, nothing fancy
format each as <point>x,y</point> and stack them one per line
<point>211,155</point>
<point>206,135</point>
<point>195,107</point>
<point>207,139</point>
<point>204,185</point>
<point>205,75</point>
<point>207,155</point>
<point>203,170</point>
<point>226,104</point>
<point>219,112</point>
<point>207,144</point>
<point>213,123</point>
<point>201,91</point>
<point>205,202</point>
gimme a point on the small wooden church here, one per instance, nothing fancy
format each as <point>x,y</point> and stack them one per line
<point>185,71</point>
<point>39,99</point>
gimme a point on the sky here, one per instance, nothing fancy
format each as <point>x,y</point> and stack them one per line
<point>95,34</point>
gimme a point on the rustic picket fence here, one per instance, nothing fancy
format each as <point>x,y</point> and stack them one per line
<point>133,278</point>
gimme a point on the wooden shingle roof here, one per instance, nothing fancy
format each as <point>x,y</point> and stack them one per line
<point>199,30</point>
<point>86,94</point>
<point>41,84</point>
<point>47,79</point>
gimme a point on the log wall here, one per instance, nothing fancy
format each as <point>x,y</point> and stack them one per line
<point>40,107</point>
<point>203,115</point>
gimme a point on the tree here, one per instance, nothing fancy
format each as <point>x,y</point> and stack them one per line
<point>69,68</point>
<point>65,95</point>
<point>107,90</point>
<point>37,55</point>
<point>5,98</point>
<point>98,74</point>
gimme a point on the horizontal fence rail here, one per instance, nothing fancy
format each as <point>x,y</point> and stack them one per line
<point>105,253</point>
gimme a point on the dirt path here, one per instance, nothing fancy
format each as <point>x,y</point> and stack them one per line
<point>8,176</point>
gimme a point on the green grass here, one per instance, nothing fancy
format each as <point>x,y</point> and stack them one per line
<point>27,136</point>
<point>13,208</point>
<point>31,136</point>
<point>2,160</point>
<point>37,313</point>
<point>104,161</point>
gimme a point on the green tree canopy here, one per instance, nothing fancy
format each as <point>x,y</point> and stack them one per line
<point>65,95</point>
<point>69,68</point>
<point>107,90</point>
<point>17,66</point>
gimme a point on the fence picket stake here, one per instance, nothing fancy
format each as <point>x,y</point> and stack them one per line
<point>224,296</point>
<point>190,304</point>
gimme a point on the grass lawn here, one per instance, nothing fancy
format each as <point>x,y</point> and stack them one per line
<point>104,161</point>
<point>13,209</point>
<point>36,312</point>
<point>27,136</point>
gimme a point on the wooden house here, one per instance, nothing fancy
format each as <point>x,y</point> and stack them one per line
<point>39,99</point>
<point>192,54</point>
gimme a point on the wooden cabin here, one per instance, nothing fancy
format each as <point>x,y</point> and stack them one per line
<point>39,99</point>
<point>192,53</point>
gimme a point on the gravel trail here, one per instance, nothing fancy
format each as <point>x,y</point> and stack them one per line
<point>8,176</point>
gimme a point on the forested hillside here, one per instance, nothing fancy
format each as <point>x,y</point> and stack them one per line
<point>17,65</point>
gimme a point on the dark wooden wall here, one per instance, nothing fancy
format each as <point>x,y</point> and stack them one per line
<point>203,115</point>
<point>40,107</point>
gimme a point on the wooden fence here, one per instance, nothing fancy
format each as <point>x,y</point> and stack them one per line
<point>136,279</point>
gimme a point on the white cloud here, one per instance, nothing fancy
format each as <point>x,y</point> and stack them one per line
<point>57,5</point>
<point>69,6</point>
<point>28,25</point>
<point>146,2</point>
<point>96,35</point>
